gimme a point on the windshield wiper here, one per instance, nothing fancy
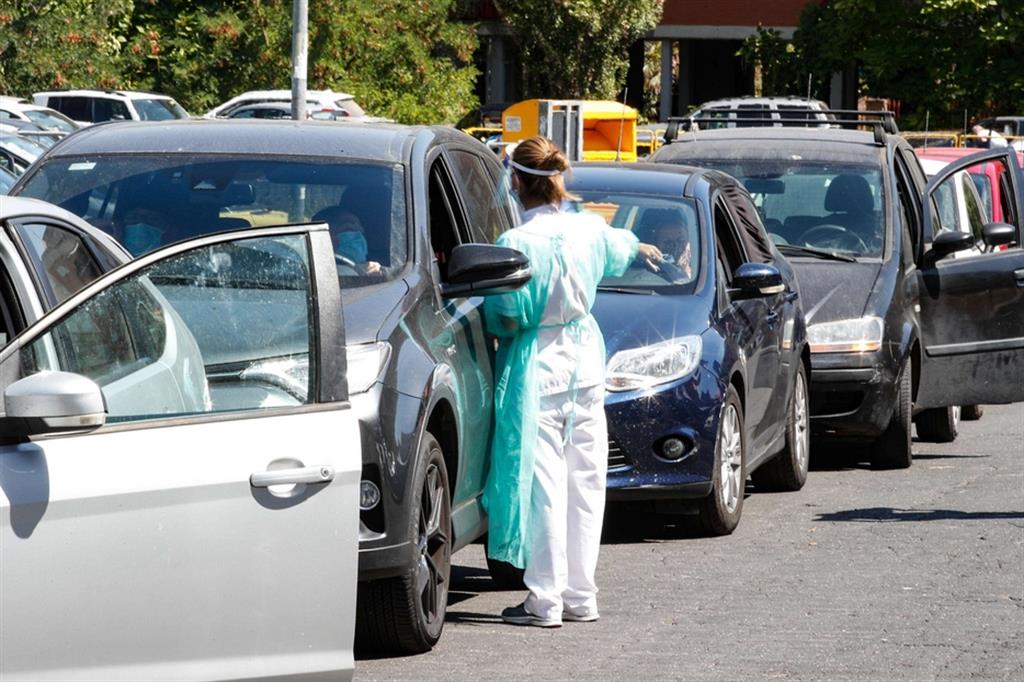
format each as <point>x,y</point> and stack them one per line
<point>627,290</point>
<point>796,249</point>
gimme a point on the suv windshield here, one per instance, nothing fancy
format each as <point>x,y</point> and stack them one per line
<point>158,109</point>
<point>147,201</point>
<point>669,224</point>
<point>829,206</point>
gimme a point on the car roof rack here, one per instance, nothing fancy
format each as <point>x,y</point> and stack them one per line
<point>881,122</point>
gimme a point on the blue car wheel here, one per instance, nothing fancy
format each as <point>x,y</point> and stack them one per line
<point>720,511</point>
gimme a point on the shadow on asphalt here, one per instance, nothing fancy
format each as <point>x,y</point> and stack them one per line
<point>890,514</point>
<point>950,456</point>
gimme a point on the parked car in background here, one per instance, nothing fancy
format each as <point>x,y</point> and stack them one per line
<point>17,108</point>
<point>781,110</point>
<point>271,110</point>
<point>413,212</point>
<point>895,326</point>
<point>986,176</point>
<point>131,451</point>
<point>86,107</point>
<point>18,153</point>
<point>708,359</point>
<point>30,131</point>
<point>959,205</point>
<point>7,180</point>
<point>1009,127</point>
<point>316,100</point>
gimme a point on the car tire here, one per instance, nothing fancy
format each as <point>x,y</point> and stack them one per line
<point>405,614</point>
<point>719,512</point>
<point>787,471</point>
<point>972,413</point>
<point>893,450</point>
<point>939,425</point>
<point>505,576</point>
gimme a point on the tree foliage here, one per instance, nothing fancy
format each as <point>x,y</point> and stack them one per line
<point>577,48</point>
<point>403,59</point>
<point>61,43</point>
<point>942,56</point>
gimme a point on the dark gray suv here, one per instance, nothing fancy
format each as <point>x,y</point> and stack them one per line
<point>412,212</point>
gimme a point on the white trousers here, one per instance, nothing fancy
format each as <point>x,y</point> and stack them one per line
<point>567,506</point>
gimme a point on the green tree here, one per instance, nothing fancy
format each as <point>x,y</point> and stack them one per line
<point>942,56</point>
<point>60,44</point>
<point>577,48</point>
<point>403,59</point>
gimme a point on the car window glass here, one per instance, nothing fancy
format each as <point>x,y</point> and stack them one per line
<point>146,201</point>
<point>670,224</point>
<point>157,109</point>
<point>50,119</point>
<point>945,201</point>
<point>909,213</point>
<point>221,328</point>
<point>75,108</point>
<point>5,114</point>
<point>832,206</point>
<point>108,110</point>
<point>9,314</point>
<point>795,114</point>
<point>444,234</point>
<point>729,249</point>
<point>972,204</point>
<point>752,111</point>
<point>60,257</point>
<point>981,183</point>
<point>479,196</point>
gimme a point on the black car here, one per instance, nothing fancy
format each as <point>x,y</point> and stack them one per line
<point>424,203</point>
<point>896,328</point>
<point>707,373</point>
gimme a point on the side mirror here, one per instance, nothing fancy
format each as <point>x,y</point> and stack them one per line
<point>753,280</point>
<point>52,402</point>
<point>949,242</point>
<point>484,269</point>
<point>998,234</point>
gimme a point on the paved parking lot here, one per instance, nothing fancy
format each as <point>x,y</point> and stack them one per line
<point>863,574</point>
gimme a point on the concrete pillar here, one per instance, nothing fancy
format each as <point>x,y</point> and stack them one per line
<point>687,76</point>
<point>665,110</point>
<point>496,70</point>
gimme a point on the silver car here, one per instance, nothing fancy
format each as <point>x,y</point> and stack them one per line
<point>179,466</point>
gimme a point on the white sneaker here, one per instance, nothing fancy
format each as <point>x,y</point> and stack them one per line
<point>579,616</point>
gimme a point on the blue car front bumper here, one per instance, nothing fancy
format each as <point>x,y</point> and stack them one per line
<point>639,424</point>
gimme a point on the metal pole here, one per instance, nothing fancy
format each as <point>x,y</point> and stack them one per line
<point>300,44</point>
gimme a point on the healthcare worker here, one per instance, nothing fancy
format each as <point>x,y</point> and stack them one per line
<point>545,491</point>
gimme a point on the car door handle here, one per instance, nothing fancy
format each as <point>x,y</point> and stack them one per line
<point>792,296</point>
<point>1019,276</point>
<point>314,474</point>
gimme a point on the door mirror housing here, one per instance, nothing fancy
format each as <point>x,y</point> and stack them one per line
<point>485,269</point>
<point>998,234</point>
<point>946,243</point>
<point>753,280</point>
<point>52,402</point>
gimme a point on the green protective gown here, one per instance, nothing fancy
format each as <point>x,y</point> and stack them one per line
<point>596,251</point>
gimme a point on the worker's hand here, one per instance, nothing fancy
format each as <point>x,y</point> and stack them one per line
<point>373,267</point>
<point>651,256</point>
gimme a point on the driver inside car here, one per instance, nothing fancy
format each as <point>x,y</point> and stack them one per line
<point>349,239</point>
<point>673,239</point>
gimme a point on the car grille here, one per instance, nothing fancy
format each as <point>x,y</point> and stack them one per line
<point>617,459</point>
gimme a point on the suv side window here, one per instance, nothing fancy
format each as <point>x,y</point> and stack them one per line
<point>76,108</point>
<point>108,110</point>
<point>446,232</point>
<point>910,218</point>
<point>479,197</point>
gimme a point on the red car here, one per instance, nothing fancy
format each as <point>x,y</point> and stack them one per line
<point>985,176</point>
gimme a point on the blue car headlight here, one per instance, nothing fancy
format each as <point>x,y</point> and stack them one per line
<point>649,366</point>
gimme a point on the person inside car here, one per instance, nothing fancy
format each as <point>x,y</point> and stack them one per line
<point>349,239</point>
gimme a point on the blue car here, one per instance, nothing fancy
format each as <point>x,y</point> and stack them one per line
<point>707,357</point>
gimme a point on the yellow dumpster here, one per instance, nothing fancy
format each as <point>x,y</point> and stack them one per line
<point>586,130</point>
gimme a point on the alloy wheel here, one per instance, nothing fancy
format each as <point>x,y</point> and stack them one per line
<point>434,546</point>
<point>731,465</point>
<point>800,423</point>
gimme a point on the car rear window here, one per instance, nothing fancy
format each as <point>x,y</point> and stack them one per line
<point>146,201</point>
<point>158,109</point>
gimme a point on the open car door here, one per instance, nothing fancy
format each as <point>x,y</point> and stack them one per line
<point>179,470</point>
<point>972,309</point>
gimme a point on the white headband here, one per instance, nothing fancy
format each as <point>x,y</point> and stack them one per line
<point>532,171</point>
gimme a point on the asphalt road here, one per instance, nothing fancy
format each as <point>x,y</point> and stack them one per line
<point>915,574</point>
